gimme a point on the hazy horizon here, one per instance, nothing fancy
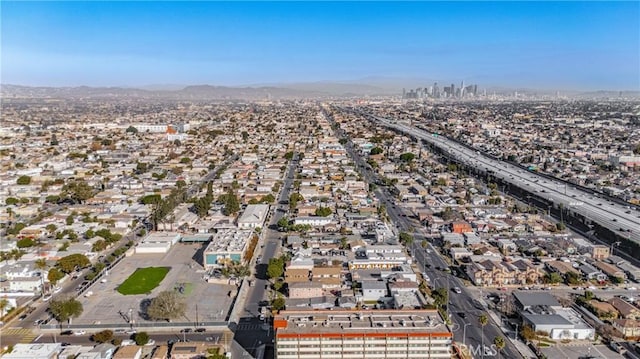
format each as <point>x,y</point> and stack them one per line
<point>569,46</point>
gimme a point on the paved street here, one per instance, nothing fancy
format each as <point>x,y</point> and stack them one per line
<point>463,302</point>
<point>251,332</point>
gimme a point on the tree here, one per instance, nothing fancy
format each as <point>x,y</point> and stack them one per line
<point>77,190</point>
<point>167,305</point>
<point>440,297</point>
<point>131,129</point>
<point>25,243</point>
<point>4,304</point>
<point>552,278</point>
<point>268,199</point>
<point>499,343</point>
<point>65,309</point>
<point>407,157</point>
<point>294,198</point>
<point>69,220</point>
<point>23,180</point>
<point>54,276</point>
<point>527,333</point>
<point>573,278</point>
<point>376,151</point>
<point>283,223</point>
<point>11,201</point>
<point>71,262</point>
<point>344,244</point>
<point>141,338</point>
<point>278,303</point>
<point>406,239</point>
<point>41,264</point>
<point>51,227</point>
<point>288,156</point>
<point>560,226</point>
<point>275,268</point>
<point>54,140</point>
<point>323,211</point>
<point>231,204</point>
<point>483,320</point>
<point>103,336</point>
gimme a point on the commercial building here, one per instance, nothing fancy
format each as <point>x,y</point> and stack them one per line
<point>157,242</point>
<point>361,334</point>
<point>226,245</point>
<point>253,216</point>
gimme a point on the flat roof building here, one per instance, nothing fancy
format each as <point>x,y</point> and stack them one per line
<point>361,334</point>
<point>253,216</point>
<point>226,245</point>
<point>31,351</point>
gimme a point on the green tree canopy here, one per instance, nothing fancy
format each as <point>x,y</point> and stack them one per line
<point>376,151</point>
<point>71,262</point>
<point>11,201</point>
<point>167,305</point>
<point>54,275</point>
<point>25,243</point>
<point>77,190</point>
<point>103,336</point>
<point>23,180</point>
<point>407,157</point>
<point>141,338</point>
<point>275,268</point>
<point>131,129</point>
<point>65,309</point>
<point>323,211</point>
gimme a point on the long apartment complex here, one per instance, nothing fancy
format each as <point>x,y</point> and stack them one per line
<point>376,334</point>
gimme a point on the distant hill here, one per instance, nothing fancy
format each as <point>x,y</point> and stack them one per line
<point>197,92</point>
<point>311,90</point>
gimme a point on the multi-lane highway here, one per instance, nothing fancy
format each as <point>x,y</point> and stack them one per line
<point>620,218</point>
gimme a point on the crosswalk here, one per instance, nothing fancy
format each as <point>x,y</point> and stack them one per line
<point>248,327</point>
<point>26,335</point>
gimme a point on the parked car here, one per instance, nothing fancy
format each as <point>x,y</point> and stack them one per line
<point>79,332</point>
<point>201,330</point>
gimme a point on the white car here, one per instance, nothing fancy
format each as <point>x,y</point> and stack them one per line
<point>46,298</point>
<point>632,288</point>
<point>151,342</point>
<point>79,332</point>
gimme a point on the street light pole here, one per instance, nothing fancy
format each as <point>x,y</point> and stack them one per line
<point>464,334</point>
<point>616,243</point>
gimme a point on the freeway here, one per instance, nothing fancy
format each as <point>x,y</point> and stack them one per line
<point>623,219</point>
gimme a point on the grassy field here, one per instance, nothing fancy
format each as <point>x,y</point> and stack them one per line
<point>143,280</point>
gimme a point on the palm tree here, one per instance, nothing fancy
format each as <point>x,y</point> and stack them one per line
<point>499,343</point>
<point>41,265</point>
<point>483,320</point>
<point>4,303</point>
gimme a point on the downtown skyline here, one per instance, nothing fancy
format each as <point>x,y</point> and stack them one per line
<point>580,46</point>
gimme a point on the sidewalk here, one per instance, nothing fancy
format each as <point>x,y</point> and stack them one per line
<point>521,347</point>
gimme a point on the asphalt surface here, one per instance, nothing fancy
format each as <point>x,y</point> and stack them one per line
<point>252,333</point>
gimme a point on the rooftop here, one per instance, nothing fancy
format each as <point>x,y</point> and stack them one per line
<point>351,321</point>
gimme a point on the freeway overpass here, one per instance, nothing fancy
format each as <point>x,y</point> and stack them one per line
<point>593,208</point>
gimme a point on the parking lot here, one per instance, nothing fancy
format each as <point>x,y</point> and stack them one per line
<point>580,352</point>
<point>205,302</point>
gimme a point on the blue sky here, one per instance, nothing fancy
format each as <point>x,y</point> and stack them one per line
<point>547,45</point>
